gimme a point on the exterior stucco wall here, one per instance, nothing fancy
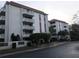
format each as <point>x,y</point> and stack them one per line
<point>60,26</point>
<point>14,19</point>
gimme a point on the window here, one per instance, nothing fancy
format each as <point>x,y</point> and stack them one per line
<point>27,23</point>
<point>27,16</point>
<point>2,13</point>
<point>45,23</point>
<point>54,30</point>
<point>2,22</point>
<point>1,40</point>
<point>28,10</point>
<point>27,31</point>
<point>65,26</point>
<point>54,25</point>
<point>40,23</point>
<point>20,43</point>
<point>40,18</point>
<point>40,28</point>
<point>26,38</point>
<point>52,22</point>
<point>2,31</point>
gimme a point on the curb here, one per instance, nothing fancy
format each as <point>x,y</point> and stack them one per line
<point>30,50</point>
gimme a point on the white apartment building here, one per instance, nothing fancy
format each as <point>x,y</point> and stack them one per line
<point>22,20</point>
<point>58,25</point>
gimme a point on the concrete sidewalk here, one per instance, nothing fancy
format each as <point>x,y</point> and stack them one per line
<point>28,49</point>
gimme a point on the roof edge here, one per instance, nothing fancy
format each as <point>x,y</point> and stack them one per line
<point>58,20</point>
<point>24,7</point>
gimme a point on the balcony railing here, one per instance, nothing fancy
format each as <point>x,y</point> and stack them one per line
<point>27,31</point>
<point>2,26</point>
<point>28,20</point>
<point>2,36</point>
<point>27,23</point>
<point>27,16</point>
<point>28,27</point>
<point>26,35</point>
<point>2,22</point>
<point>1,40</point>
<point>2,17</point>
<point>2,31</point>
<point>2,13</point>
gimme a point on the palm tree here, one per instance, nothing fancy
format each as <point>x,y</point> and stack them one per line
<point>75,32</point>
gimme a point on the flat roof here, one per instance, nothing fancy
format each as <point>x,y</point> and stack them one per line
<point>58,21</point>
<point>25,7</point>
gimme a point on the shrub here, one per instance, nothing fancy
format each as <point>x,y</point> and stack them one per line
<point>15,38</point>
<point>29,44</point>
<point>13,45</point>
<point>37,36</point>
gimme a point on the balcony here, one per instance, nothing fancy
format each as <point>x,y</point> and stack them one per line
<point>2,17</point>
<point>27,23</point>
<point>2,13</point>
<point>1,40</point>
<point>2,36</point>
<point>27,31</point>
<point>28,20</point>
<point>2,31</point>
<point>26,35</point>
<point>27,16</point>
<point>28,27</point>
<point>53,24</point>
<point>2,26</point>
<point>2,22</point>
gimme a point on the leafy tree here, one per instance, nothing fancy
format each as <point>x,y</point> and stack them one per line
<point>15,38</point>
<point>74,33</point>
<point>12,36</point>
<point>36,37</point>
<point>18,37</point>
<point>62,34</point>
<point>52,30</point>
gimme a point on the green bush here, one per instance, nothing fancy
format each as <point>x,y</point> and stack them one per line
<point>13,45</point>
<point>37,36</point>
<point>29,44</point>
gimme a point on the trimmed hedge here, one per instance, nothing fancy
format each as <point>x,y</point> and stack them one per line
<point>38,36</point>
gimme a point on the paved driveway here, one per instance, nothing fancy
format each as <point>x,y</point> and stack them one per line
<point>64,51</point>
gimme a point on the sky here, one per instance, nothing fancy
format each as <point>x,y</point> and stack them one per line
<point>61,10</point>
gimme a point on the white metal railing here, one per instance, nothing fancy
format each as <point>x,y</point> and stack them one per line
<point>29,13</point>
<point>26,35</point>
<point>8,45</point>
<point>2,17</point>
<point>2,9</point>
<point>2,36</point>
<point>28,27</point>
<point>2,26</point>
<point>53,24</point>
<point>27,20</point>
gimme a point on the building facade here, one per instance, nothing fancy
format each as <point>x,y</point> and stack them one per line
<point>58,26</point>
<point>21,20</point>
